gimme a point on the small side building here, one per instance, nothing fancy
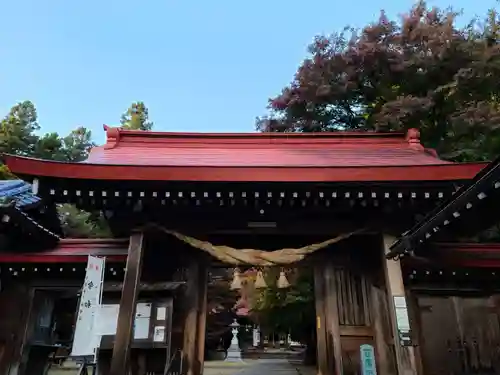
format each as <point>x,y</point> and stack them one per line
<point>454,283</point>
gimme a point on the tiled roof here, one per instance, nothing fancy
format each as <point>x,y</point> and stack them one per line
<point>253,157</point>
<point>291,156</point>
<point>19,192</point>
<point>126,147</point>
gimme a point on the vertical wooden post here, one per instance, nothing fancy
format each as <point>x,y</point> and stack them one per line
<point>22,298</point>
<point>193,348</point>
<point>202,314</point>
<point>332,320</point>
<point>319,299</point>
<point>405,356</point>
<point>327,321</point>
<point>415,319</point>
<point>126,316</point>
<point>383,332</point>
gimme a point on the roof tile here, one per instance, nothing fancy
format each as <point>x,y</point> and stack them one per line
<point>260,150</point>
<point>18,191</point>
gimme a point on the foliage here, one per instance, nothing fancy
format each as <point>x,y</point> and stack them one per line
<point>82,224</point>
<point>17,130</point>
<point>18,136</point>
<point>420,71</point>
<point>136,117</point>
<point>287,311</point>
<point>220,314</point>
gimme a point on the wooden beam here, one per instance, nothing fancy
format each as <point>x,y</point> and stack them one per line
<point>125,329</point>
<point>405,356</point>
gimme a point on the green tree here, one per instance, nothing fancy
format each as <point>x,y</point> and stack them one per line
<point>77,144</point>
<point>17,129</point>
<point>220,303</point>
<point>77,223</point>
<point>136,117</point>
<point>288,311</point>
<point>18,136</point>
<point>48,146</point>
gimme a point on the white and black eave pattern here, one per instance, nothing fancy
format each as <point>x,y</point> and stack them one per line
<point>426,235</point>
<point>365,197</point>
<point>40,269</point>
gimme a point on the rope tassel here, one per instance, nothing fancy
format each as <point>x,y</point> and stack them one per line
<point>260,283</point>
<point>236,283</point>
<point>283,281</point>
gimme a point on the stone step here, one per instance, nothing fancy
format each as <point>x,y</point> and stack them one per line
<point>269,355</point>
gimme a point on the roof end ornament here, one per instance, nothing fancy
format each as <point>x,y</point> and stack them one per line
<point>413,139</point>
<point>112,136</point>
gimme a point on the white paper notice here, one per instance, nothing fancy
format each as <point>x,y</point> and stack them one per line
<point>400,302</point>
<point>141,328</point>
<point>161,313</point>
<point>159,334</point>
<point>143,310</point>
<point>402,320</point>
<point>108,319</point>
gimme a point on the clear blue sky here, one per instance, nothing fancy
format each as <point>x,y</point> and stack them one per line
<point>198,65</point>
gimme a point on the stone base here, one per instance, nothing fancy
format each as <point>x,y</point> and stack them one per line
<point>233,354</point>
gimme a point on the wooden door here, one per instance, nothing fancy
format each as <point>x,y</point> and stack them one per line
<point>355,322</point>
<point>461,335</point>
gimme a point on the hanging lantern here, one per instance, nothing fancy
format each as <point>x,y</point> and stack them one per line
<point>236,283</point>
<point>260,283</point>
<point>283,281</point>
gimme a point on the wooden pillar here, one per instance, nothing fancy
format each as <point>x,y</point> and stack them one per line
<point>126,316</point>
<point>193,348</point>
<point>202,314</point>
<point>329,354</point>
<point>319,299</point>
<point>332,321</point>
<point>405,356</point>
<point>416,324</point>
<point>17,319</point>
<point>383,332</point>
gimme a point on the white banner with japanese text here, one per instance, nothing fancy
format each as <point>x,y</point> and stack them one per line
<point>86,340</point>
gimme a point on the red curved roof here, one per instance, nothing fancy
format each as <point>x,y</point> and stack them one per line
<point>342,156</point>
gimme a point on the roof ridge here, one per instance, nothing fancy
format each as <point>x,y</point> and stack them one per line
<point>116,135</point>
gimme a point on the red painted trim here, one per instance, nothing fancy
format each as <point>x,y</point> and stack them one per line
<point>464,255</point>
<point>452,263</point>
<point>73,251</point>
<point>477,263</point>
<point>42,258</point>
<point>469,247</point>
<point>43,168</point>
<point>93,243</point>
